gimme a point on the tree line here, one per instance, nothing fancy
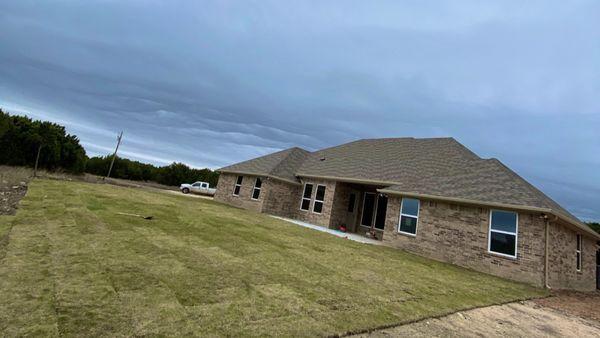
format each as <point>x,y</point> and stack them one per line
<point>21,137</point>
<point>594,225</point>
<point>173,174</point>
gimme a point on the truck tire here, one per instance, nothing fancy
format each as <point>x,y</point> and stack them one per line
<point>185,190</point>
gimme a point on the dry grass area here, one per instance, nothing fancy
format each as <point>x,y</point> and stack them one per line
<point>14,175</point>
<point>74,266</point>
<point>13,184</point>
<point>123,183</point>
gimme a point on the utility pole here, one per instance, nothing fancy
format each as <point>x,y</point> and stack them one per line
<point>37,159</point>
<point>112,162</point>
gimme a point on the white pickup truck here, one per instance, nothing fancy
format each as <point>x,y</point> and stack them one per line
<point>198,188</point>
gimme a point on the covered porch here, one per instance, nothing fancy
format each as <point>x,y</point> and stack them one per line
<point>360,209</point>
<point>350,236</point>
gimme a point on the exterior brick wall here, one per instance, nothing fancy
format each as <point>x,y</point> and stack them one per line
<point>225,187</point>
<point>562,272</point>
<point>459,235</point>
<point>281,198</point>
<point>277,197</point>
<point>324,218</point>
<point>339,205</point>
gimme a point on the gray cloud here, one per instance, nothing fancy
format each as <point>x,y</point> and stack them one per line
<point>215,82</point>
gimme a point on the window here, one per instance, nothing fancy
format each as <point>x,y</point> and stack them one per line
<point>306,195</point>
<point>503,233</point>
<point>238,185</point>
<point>409,216</point>
<point>578,252</point>
<point>196,185</point>
<point>204,185</point>
<point>256,191</point>
<point>351,203</point>
<point>319,198</point>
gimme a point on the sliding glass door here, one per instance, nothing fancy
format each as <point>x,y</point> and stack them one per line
<point>374,210</point>
<point>368,209</point>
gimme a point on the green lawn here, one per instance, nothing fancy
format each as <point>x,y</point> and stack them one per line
<point>72,266</point>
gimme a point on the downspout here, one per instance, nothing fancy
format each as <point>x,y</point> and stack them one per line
<point>546,253</point>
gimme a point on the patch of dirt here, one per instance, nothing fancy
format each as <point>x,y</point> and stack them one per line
<point>10,195</point>
<point>523,319</point>
<point>585,305</point>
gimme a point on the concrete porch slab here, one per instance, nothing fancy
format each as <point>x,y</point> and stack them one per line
<point>350,236</point>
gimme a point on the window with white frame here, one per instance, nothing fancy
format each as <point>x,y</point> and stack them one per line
<point>238,185</point>
<point>319,198</point>
<point>504,227</point>
<point>256,190</point>
<point>578,252</point>
<point>306,196</point>
<point>409,216</point>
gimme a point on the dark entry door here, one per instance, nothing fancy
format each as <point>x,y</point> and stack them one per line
<point>382,202</point>
<point>374,210</point>
<point>368,209</point>
<point>352,211</point>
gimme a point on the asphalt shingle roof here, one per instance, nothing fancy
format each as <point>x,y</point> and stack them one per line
<point>389,160</point>
<point>282,164</point>
<point>487,181</point>
<point>439,167</point>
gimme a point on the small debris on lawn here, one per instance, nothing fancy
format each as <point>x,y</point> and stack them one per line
<point>135,215</point>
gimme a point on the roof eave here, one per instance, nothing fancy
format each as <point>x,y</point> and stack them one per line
<point>465,201</point>
<point>239,172</point>
<point>579,225</point>
<point>347,179</point>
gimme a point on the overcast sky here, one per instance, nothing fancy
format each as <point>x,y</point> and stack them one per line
<point>209,83</point>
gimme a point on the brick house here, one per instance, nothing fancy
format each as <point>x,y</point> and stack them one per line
<point>433,197</point>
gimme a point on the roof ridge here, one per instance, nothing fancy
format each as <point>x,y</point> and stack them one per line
<point>335,146</point>
<point>284,159</point>
<point>465,149</point>
<point>384,138</point>
<point>256,158</point>
<point>407,137</point>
